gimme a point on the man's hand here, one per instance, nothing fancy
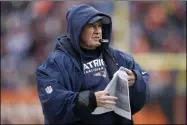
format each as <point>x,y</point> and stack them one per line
<point>131,76</point>
<point>104,99</point>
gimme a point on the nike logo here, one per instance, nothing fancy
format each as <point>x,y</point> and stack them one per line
<point>143,73</point>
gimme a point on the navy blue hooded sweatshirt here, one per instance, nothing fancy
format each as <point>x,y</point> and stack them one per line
<point>66,92</point>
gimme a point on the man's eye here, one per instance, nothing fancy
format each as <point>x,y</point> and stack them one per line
<point>99,25</point>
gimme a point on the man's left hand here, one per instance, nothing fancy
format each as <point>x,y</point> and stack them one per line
<point>131,77</point>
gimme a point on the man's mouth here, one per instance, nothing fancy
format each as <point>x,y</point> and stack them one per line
<point>97,38</point>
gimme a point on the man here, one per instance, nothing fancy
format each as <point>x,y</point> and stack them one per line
<point>70,90</point>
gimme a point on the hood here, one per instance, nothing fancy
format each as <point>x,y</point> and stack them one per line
<point>78,16</point>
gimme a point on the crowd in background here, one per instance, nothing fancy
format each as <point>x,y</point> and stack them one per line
<point>29,30</point>
<point>158,27</point>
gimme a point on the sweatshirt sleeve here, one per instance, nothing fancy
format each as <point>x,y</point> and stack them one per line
<point>139,92</point>
<point>56,96</point>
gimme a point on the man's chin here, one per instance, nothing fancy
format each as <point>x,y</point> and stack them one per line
<point>95,46</point>
<point>98,44</point>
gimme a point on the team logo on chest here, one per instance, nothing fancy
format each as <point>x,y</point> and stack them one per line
<point>94,66</point>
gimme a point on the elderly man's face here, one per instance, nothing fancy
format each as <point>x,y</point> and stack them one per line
<point>91,35</point>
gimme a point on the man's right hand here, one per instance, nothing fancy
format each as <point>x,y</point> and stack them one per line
<point>104,99</point>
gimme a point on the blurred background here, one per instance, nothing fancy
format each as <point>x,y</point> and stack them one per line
<point>153,32</point>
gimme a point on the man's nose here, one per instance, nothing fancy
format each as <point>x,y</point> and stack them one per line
<point>98,30</point>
